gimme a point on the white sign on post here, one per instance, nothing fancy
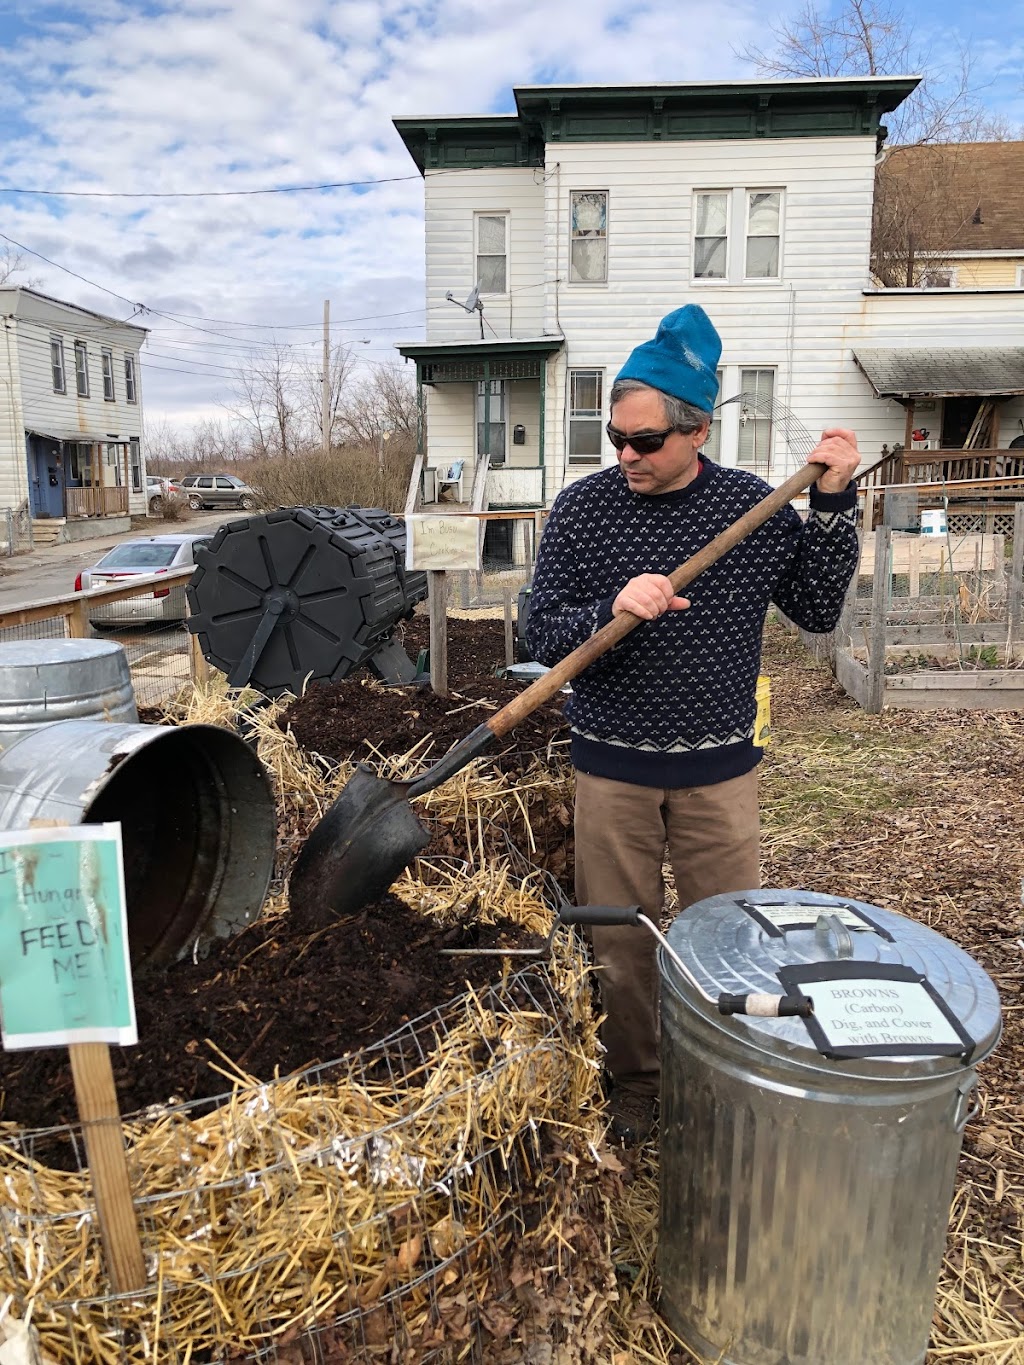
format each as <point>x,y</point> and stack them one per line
<point>442,543</point>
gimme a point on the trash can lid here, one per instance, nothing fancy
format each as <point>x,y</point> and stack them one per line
<point>884,987</point>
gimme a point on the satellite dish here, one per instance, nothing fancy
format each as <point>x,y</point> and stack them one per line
<point>474,304</point>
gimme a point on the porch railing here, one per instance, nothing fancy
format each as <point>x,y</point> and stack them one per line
<point>942,466</point>
<point>97,502</point>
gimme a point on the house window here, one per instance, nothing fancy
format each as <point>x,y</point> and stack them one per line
<point>712,446</point>
<point>1020,277</point>
<point>494,426</point>
<point>135,459</point>
<point>585,411</point>
<point>764,214</point>
<point>710,235</point>
<point>129,378</point>
<point>82,369</point>
<point>492,253</point>
<point>754,450</point>
<point>588,246</point>
<point>57,365</point>
<point>939,277</point>
<point>719,253</point>
<point>107,358</point>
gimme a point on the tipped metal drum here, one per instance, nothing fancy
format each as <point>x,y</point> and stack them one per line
<point>196,813</point>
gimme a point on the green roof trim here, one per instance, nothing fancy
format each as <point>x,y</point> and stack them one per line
<point>479,350</point>
<point>707,110</point>
<point>470,143</point>
<point>469,362</point>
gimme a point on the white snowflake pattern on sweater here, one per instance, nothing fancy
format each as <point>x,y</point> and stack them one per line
<point>673,704</point>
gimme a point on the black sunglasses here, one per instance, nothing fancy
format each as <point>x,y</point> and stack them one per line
<point>643,442</point>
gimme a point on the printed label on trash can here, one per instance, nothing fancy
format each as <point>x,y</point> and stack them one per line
<point>871,1009</point>
<point>776,917</point>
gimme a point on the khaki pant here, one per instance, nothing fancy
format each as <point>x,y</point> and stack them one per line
<point>712,834</point>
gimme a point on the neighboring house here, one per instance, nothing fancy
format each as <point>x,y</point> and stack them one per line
<point>951,216</point>
<point>564,232</point>
<point>70,414</point>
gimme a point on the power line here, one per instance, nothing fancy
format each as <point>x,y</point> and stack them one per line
<point>206,194</point>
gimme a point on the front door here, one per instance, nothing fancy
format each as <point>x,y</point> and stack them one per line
<point>46,477</point>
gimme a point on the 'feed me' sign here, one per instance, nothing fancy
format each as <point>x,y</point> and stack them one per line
<point>64,967</point>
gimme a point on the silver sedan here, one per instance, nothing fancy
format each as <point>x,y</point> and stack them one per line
<point>132,558</point>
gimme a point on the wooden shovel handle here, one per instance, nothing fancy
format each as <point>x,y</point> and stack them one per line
<point>620,626</point>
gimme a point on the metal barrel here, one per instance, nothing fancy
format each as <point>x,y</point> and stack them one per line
<point>804,1198</point>
<point>196,813</point>
<point>44,681</point>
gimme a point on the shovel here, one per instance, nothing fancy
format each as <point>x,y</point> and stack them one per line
<point>370,833</point>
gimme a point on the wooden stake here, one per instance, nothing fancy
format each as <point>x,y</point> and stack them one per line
<point>96,1097</point>
<point>506,602</point>
<point>1016,595</point>
<point>437,605</point>
<point>108,1167</point>
<point>876,639</point>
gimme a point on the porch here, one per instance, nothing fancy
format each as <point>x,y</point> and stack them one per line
<point>950,453</point>
<point>482,408</point>
<point>74,477</point>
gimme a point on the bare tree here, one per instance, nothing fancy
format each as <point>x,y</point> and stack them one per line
<point>874,38</point>
<point>923,202</point>
<point>310,379</point>
<point>267,403</point>
<point>384,402</point>
<point>12,263</point>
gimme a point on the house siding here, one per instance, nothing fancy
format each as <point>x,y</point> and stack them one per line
<point>791,325</point>
<point>452,200</point>
<point>805,326</point>
<point>31,321</point>
<point>993,272</point>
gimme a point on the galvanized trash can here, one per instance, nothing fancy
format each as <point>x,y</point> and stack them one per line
<point>805,1197</point>
<point>44,681</point>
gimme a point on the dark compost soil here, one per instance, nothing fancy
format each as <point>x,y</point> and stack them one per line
<point>351,719</point>
<point>270,1000</point>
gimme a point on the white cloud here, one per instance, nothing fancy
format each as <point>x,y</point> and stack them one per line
<point>239,94</point>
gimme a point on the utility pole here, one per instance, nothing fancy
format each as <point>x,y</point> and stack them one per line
<point>325,396</point>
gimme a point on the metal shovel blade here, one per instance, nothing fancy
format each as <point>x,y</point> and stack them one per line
<point>357,850</point>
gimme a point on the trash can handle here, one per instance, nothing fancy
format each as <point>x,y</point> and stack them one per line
<point>965,1111</point>
<point>832,925</point>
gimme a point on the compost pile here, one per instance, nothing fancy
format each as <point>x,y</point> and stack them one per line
<point>272,1001</point>
<point>358,718</point>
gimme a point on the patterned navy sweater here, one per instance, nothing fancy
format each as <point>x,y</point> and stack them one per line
<point>673,704</point>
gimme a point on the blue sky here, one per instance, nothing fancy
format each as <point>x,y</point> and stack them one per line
<point>244,94</point>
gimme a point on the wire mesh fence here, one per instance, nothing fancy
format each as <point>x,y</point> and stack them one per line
<point>413,1201</point>
<point>16,529</point>
<point>159,653</point>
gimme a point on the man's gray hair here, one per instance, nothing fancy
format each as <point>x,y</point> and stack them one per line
<point>683,416</point>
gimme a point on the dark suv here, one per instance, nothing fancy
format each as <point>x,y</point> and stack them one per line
<point>217,490</point>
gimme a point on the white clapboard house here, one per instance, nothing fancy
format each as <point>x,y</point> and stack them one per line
<point>71,456</point>
<point>558,236</point>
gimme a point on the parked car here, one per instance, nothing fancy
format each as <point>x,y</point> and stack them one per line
<point>158,491</point>
<point>130,559</point>
<point>217,490</point>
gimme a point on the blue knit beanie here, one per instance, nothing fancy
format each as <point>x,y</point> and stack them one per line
<point>682,358</point>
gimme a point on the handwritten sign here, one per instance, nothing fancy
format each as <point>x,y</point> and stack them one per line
<point>442,542</point>
<point>64,969</point>
<point>871,1009</point>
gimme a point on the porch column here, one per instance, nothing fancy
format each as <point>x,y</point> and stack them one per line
<point>487,413</point>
